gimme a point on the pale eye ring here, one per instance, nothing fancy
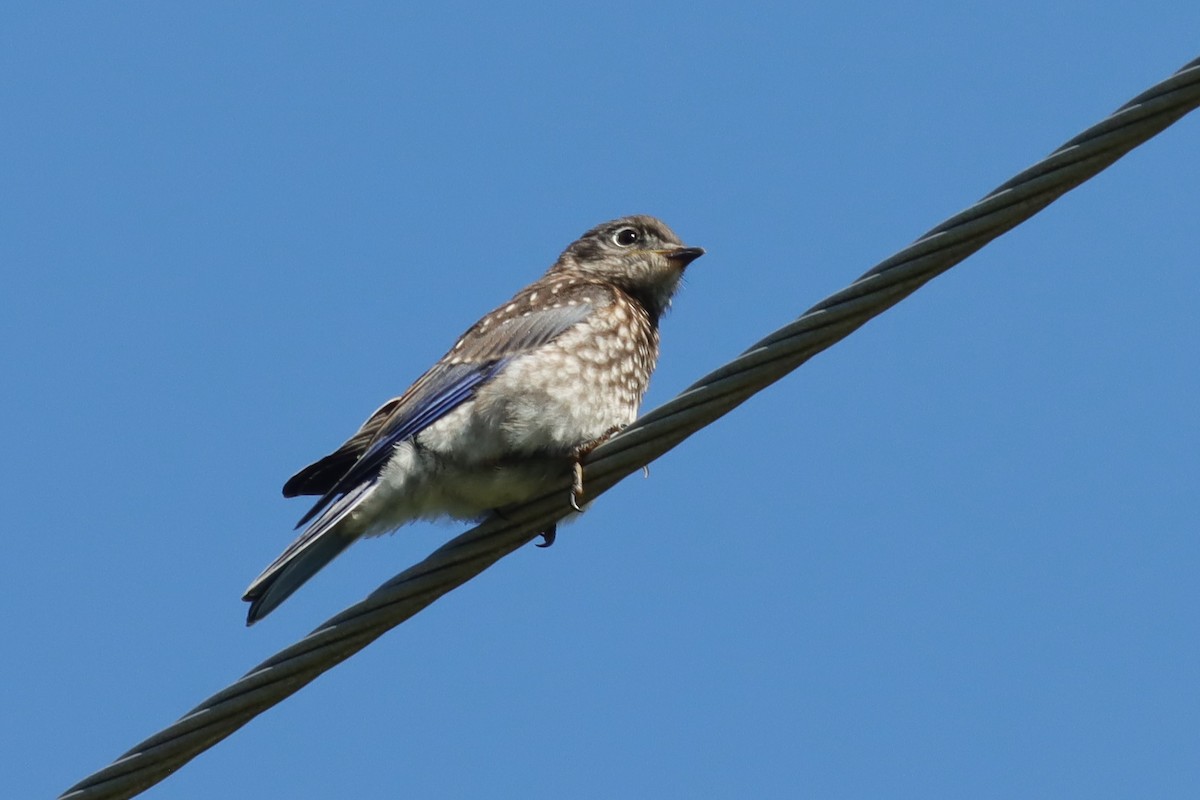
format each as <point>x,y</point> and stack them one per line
<point>626,237</point>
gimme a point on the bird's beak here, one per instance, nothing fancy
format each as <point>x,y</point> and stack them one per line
<point>680,257</point>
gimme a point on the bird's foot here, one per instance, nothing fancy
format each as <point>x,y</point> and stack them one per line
<point>577,464</point>
<point>576,485</point>
<point>548,536</point>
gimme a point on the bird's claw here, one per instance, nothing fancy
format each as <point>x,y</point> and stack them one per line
<point>548,536</point>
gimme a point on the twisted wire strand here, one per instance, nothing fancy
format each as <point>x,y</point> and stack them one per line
<point>711,397</point>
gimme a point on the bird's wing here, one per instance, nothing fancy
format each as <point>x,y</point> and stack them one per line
<point>451,382</point>
<point>320,476</point>
<point>349,475</point>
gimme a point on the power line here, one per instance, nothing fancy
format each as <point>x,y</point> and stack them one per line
<point>651,436</point>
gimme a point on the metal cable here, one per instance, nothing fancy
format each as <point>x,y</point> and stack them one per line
<point>651,436</point>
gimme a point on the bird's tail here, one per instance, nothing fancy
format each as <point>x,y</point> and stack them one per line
<point>276,585</point>
<point>320,543</point>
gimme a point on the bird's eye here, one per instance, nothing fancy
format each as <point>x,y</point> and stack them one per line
<point>626,237</point>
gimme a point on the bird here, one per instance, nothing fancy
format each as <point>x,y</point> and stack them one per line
<point>510,409</point>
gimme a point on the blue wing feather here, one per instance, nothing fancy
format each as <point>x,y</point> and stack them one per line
<point>442,390</point>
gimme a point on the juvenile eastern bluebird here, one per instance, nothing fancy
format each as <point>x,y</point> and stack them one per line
<point>515,405</point>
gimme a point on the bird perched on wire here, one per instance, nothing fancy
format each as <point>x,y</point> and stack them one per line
<point>514,406</point>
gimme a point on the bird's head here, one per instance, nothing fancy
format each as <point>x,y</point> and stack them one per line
<point>638,254</point>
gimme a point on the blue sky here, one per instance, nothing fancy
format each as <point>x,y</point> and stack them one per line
<point>954,556</point>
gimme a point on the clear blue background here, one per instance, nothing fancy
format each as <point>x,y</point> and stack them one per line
<point>955,556</point>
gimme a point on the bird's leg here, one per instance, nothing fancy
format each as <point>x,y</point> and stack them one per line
<point>577,457</point>
<point>576,483</point>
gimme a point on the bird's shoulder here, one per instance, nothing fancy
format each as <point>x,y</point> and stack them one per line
<point>546,295</point>
<point>534,316</point>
